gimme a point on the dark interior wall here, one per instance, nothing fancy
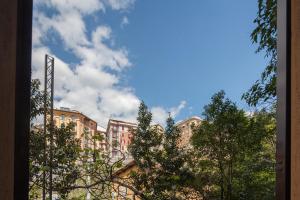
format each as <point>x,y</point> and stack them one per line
<point>8,21</point>
<point>15,54</point>
<point>15,58</point>
<point>295,100</point>
<point>288,107</point>
<point>283,102</point>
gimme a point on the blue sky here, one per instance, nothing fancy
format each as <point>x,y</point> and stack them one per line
<point>174,56</point>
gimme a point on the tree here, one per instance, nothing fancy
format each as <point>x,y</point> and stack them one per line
<point>235,152</point>
<point>76,169</point>
<point>36,140</point>
<point>66,151</point>
<point>163,172</point>
<point>256,169</point>
<point>265,35</point>
<point>175,178</point>
<point>218,141</point>
<point>36,99</point>
<point>145,149</point>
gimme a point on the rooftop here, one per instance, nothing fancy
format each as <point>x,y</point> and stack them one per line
<point>121,122</point>
<point>68,110</point>
<point>188,119</point>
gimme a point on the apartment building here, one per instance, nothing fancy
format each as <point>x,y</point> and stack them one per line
<point>120,192</point>
<point>119,134</point>
<point>82,123</point>
<point>102,144</point>
<point>185,127</point>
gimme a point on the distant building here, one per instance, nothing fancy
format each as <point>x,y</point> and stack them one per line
<point>102,144</point>
<point>185,127</point>
<point>120,192</point>
<point>64,116</point>
<point>119,135</point>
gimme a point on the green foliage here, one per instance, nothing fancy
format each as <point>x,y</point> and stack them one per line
<point>145,149</point>
<point>174,174</point>
<point>235,152</point>
<point>256,167</point>
<point>163,171</point>
<point>220,138</point>
<point>36,100</point>
<point>77,168</point>
<point>66,150</point>
<point>36,159</point>
<point>265,35</point>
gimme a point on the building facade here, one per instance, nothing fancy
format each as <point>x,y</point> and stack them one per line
<point>185,127</point>
<point>102,144</point>
<point>119,134</point>
<point>120,192</point>
<point>82,124</point>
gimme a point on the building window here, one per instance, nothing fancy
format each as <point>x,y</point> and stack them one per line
<point>115,143</point>
<point>86,143</point>
<point>115,135</point>
<point>114,153</point>
<point>123,192</point>
<point>123,128</point>
<point>73,118</point>
<point>74,129</point>
<point>62,117</point>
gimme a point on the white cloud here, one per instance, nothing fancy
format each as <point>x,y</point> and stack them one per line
<point>160,114</point>
<point>83,6</point>
<point>120,4</point>
<point>71,28</point>
<point>124,22</point>
<point>87,86</point>
<point>176,110</point>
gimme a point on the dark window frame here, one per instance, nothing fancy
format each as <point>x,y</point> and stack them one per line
<point>283,143</point>
<point>22,98</point>
<point>22,91</point>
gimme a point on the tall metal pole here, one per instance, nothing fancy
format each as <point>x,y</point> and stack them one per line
<point>48,110</point>
<point>51,127</point>
<point>45,130</point>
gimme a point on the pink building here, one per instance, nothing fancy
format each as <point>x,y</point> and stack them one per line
<point>119,134</point>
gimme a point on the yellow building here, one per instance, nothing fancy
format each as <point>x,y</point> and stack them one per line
<point>82,123</point>
<point>121,192</point>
